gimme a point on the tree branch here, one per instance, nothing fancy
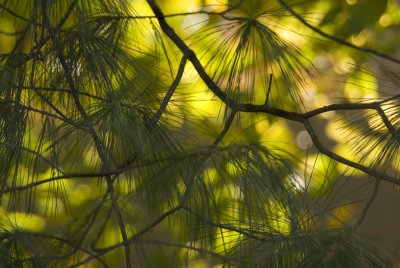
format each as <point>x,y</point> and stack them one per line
<point>37,154</point>
<point>170,92</point>
<point>345,161</point>
<point>265,108</point>
<point>200,250</point>
<point>334,38</point>
<point>369,202</point>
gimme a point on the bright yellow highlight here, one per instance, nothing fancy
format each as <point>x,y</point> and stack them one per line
<point>193,23</point>
<point>344,151</point>
<point>7,42</point>
<point>385,20</point>
<point>225,239</point>
<point>217,5</point>
<point>141,7</point>
<point>170,6</point>
<point>110,236</point>
<point>333,131</point>
<point>361,85</point>
<point>79,194</point>
<point>292,37</point>
<point>344,65</point>
<point>203,103</point>
<point>351,2</point>
<point>279,220</point>
<point>317,166</point>
<point>19,220</point>
<point>361,38</point>
<point>175,117</point>
<point>321,100</point>
<point>276,133</point>
<point>210,175</point>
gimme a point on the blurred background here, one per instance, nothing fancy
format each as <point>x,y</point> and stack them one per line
<point>333,73</point>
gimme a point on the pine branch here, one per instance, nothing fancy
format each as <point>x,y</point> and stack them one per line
<point>251,108</point>
<point>334,38</point>
<point>170,92</point>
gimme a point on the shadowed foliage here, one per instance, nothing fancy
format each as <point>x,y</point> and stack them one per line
<point>210,136</point>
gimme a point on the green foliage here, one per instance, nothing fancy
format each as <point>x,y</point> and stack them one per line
<point>107,160</point>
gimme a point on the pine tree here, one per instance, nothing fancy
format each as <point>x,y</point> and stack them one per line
<point>128,140</point>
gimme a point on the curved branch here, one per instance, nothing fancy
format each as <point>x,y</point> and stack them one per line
<point>170,91</point>
<point>69,243</point>
<point>335,39</point>
<point>37,154</point>
<point>265,108</point>
<point>345,161</point>
<point>103,251</point>
<point>56,178</point>
<point>191,56</point>
<point>371,200</point>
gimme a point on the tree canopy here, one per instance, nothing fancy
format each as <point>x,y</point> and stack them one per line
<point>213,133</point>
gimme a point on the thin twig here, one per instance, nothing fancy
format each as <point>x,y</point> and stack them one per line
<point>67,242</point>
<point>37,154</point>
<point>178,245</point>
<point>343,160</point>
<point>370,202</point>
<point>224,226</point>
<point>61,177</point>
<point>170,92</point>
<point>334,38</point>
<point>102,251</point>
<point>268,90</point>
<point>192,176</point>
